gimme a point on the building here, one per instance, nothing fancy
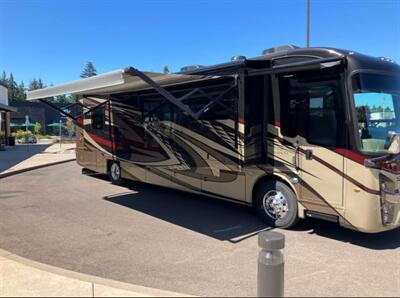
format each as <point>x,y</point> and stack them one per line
<point>37,112</point>
<point>5,111</point>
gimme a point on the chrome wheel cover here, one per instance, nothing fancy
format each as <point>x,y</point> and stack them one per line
<point>115,171</point>
<point>275,204</point>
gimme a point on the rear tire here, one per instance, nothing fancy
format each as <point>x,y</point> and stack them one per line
<point>276,203</point>
<point>115,173</point>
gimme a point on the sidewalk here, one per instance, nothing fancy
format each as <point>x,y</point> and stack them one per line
<point>20,277</point>
<point>20,158</point>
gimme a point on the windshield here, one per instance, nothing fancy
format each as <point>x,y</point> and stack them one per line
<point>377,100</point>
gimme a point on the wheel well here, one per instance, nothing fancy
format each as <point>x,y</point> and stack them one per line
<point>109,162</point>
<point>266,178</point>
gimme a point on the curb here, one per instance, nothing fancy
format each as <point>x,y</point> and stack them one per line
<point>115,287</point>
<point>11,173</point>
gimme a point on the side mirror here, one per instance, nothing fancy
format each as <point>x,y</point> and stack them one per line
<point>393,142</point>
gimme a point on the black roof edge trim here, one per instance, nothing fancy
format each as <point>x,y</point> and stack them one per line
<point>299,66</point>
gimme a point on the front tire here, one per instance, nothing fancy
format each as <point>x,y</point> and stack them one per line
<point>115,173</point>
<point>276,203</point>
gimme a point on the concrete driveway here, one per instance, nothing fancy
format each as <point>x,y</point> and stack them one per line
<point>174,241</point>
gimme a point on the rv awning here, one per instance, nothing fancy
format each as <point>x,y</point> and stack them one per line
<point>122,80</point>
<point>128,79</point>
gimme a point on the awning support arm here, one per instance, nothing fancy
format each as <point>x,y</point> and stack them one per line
<point>59,109</point>
<point>134,72</point>
<point>179,101</point>
<point>95,108</point>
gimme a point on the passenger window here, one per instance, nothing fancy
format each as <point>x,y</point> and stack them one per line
<point>322,123</point>
<point>98,118</point>
<point>157,110</point>
<point>222,110</point>
<point>309,109</point>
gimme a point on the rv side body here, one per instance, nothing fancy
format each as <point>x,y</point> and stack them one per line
<point>292,124</point>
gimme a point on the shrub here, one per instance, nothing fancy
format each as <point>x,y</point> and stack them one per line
<point>22,134</point>
<point>38,128</point>
<point>2,137</point>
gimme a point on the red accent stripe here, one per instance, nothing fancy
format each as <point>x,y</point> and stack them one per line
<point>79,121</point>
<point>277,123</point>
<point>101,141</point>
<point>351,155</point>
<point>347,153</point>
<point>241,120</point>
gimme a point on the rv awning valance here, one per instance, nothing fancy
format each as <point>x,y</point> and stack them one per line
<point>123,80</point>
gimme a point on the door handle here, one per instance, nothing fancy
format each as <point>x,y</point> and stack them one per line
<point>309,154</point>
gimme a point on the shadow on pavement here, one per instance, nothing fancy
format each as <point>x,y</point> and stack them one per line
<point>217,219</point>
<point>380,241</point>
<point>16,154</point>
<point>232,222</point>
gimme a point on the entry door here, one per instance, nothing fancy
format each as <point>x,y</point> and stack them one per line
<point>312,112</point>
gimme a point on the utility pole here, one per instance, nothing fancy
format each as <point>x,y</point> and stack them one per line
<point>308,23</point>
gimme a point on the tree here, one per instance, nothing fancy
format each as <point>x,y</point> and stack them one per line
<point>3,78</point>
<point>12,88</point>
<point>40,84</point>
<point>166,69</point>
<point>37,128</point>
<point>20,93</point>
<point>36,84</point>
<point>89,71</point>
<point>388,109</point>
<point>33,85</point>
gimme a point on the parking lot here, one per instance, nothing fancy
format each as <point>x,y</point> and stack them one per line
<point>180,242</point>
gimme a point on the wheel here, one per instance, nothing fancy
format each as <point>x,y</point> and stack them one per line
<point>114,173</point>
<point>276,203</point>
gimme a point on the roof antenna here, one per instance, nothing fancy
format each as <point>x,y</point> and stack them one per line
<point>308,23</point>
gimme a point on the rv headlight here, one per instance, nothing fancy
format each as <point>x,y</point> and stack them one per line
<point>390,201</point>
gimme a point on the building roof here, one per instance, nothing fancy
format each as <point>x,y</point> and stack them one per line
<point>7,108</point>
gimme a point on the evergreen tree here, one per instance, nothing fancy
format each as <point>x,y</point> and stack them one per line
<point>89,70</point>
<point>33,85</point>
<point>40,84</point>
<point>36,84</point>
<point>3,78</point>
<point>12,88</point>
<point>20,94</point>
<point>166,69</point>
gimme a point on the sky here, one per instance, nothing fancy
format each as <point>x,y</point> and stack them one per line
<point>53,39</point>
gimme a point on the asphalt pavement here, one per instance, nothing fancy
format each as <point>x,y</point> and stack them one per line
<point>166,239</point>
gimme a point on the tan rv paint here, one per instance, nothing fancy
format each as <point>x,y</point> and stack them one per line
<point>331,179</point>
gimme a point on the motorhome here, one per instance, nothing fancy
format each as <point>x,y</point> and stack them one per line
<point>295,132</point>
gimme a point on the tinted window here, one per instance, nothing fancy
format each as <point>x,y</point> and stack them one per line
<point>310,109</point>
<point>98,118</point>
<point>322,124</point>
<point>218,110</point>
